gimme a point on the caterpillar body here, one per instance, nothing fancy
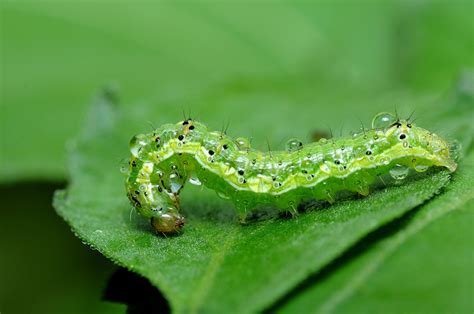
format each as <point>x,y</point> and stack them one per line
<point>164,160</point>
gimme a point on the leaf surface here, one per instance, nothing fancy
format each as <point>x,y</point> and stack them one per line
<point>216,263</point>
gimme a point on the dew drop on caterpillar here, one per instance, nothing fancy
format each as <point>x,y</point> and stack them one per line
<point>164,160</point>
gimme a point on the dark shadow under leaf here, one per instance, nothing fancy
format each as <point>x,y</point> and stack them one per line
<point>136,292</point>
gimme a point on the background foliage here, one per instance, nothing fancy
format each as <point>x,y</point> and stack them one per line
<point>274,70</point>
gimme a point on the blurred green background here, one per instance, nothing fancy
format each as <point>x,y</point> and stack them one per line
<point>196,57</point>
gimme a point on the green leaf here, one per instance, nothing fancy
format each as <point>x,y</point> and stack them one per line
<point>217,263</point>
<point>425,267</point>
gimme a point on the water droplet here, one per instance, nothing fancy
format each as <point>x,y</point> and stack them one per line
<point>383,120</point>
<point>421,167</point>
<point>307,164</point>
<point>292,169</point>
<point>124,167</point>
<point>293,145</point>
<point>399,172</point>
<point>405,144</point>
<point>385,160</point>
<point>359,151</point>
<point>195,180</point>
<point>325,168</point>
<point>142,187</point>
<point>323,140</point>
<point>136,144</point>
<point>176,183</point>
<point>243,143</point>
<point>222,195</point>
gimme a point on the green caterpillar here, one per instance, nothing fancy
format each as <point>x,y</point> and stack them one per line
<point>164,160</point>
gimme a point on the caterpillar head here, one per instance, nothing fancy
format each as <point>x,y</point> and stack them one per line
<point>168,222</point>
<point>428,145</point>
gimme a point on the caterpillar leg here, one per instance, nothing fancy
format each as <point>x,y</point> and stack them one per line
<point>293,211</point>
<point>168,223</point>
<point>243,218</point>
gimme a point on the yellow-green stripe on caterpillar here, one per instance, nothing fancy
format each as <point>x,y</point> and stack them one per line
<point>164,160</point>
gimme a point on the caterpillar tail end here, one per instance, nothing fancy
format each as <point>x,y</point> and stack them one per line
<point>171,222</point>
<point>452,166</point>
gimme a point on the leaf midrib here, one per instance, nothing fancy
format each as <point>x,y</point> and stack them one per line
<point>202,288</point>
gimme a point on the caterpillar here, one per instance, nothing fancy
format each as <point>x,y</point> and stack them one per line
<point>164,160</point>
